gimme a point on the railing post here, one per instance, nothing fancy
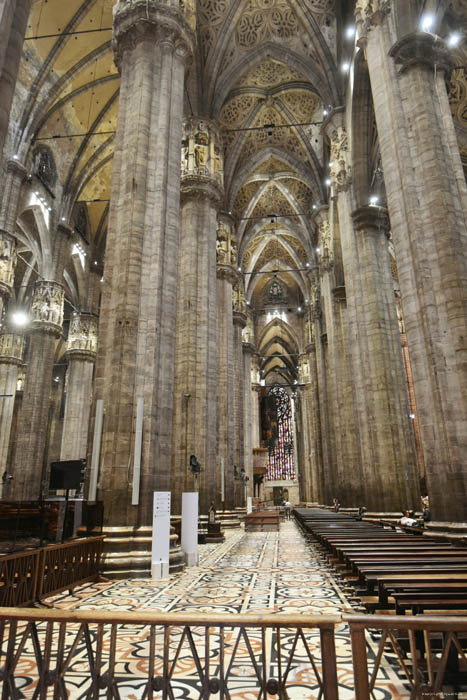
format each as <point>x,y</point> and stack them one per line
<point>360,665</point>
<point>39,587</point>
<point>328,657</point>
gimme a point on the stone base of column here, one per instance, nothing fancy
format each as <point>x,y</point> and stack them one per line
<point>127,552</point>
<point>215,534</point>
<point>227,518</point>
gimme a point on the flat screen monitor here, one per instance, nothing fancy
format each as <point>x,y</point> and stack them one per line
<point>67,474</point>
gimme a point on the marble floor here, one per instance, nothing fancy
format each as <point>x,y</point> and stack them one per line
<point>273,572</point>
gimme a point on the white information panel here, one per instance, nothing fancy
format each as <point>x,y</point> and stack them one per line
<point>190,528</point>
<point>161,535</point>
<point>249,504</point>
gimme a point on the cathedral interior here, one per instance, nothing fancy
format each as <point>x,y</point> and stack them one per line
<point>235,230</point>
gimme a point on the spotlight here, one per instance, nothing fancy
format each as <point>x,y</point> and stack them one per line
<point>19,318</point>
<point>427,22</point>
<point>345,67</point>
<point>350,32</point>
<point>325,112</point>
<point>374,199</point>
<point>454,39</point>
<point>328,181</point>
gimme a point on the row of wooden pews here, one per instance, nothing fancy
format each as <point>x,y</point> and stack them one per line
<point>391,571</point>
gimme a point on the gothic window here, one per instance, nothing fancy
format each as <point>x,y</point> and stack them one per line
<point>281,464</point>
<point>44,167</point>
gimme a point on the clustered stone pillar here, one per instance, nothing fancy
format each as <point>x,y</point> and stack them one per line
<point>385,461</point>
<point>13,22</point>
<point>227,276</point>
<point>313,466</point>
<point>248,351</point>
<point>136,354</point>
<point>240,322</point>
<point>393,449</point>
<point>11,357</point>
<point>46,316</point>
<point>195,405</point>
<point>81,356</point>
<point>427,200</point>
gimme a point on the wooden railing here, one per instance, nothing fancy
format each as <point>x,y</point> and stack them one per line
<point>26,577</point>
<point>57,653</point>
<point>61,651</point>
<point>430,652</point>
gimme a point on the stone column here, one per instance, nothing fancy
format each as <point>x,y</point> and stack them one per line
<point>136,354</point>
<point>393,454</point>
<point>227,276</point>
<point>313,464</point>
<point>248,350</point>
<point>46,315</point>
<point>13,22</point>
<point>240,322</point>
<point>11,357</point>
<point>427,201</point>
<point>81,356</point>
<point>195,405</point>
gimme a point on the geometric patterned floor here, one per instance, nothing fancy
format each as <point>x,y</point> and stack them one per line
<point>271,572</point>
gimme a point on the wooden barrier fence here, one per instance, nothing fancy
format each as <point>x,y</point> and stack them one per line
<point>56,653</point>
<point>26,577</point>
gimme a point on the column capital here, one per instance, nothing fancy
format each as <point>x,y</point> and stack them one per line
<point>368,14</point>
<point>11,348</point>
<point>239,318</point>
<point>339,167</point>
<point>339,295</point>
<point>325,251</point>
<point>249,348</point>
<point>47,307</point>
<point>227,272</point>
<point>202,155</point>
<point>201,187</point>
<point>8,261</point>
<point>161,21</point>
<point>421,49</point>
<point>82,337</point>
<point>371,217</point>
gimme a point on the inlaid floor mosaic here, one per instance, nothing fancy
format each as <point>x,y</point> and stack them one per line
<point>248,573</point>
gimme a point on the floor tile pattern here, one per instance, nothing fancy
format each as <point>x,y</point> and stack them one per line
<point>249,573</point>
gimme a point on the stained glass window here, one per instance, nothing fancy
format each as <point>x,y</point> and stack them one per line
<point>281,464</point>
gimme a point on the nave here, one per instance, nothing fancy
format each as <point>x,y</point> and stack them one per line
<point>250,573</point>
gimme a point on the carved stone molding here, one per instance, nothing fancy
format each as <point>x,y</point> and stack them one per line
<point>421,49</point>
<point>156,20</point>
<point>371,218</point>
<point>47,307</point>
<point>11,348</point>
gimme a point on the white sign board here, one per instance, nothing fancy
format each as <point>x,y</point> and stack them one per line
<point>161,535</point>
<point>249,504</point>
<point>190,528</point>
